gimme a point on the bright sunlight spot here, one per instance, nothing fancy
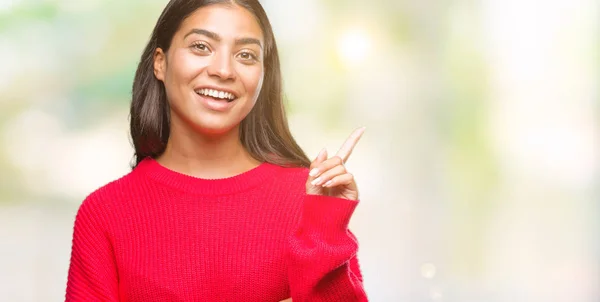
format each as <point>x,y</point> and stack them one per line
<point>354,46</point>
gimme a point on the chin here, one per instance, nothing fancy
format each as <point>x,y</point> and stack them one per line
<point>214,128</point>
<point>206,122</point>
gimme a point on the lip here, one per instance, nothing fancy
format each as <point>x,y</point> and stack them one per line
<point>215,105</point>
<point>235,94</point>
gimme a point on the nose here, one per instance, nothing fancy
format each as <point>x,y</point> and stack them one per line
<point>221,67</point>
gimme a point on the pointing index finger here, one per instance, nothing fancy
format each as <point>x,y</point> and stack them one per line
<point>349,144</point>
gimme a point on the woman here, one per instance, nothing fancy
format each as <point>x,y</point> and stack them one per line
<point>220,205</point>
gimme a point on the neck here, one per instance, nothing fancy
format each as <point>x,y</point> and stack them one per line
<point>204,156</point>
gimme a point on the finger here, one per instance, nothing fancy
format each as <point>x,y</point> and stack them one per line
<point>328,175</point>
<point>322,157</point>
<point>340,180</point>
<point>326,165</point>
<point>349,144</point>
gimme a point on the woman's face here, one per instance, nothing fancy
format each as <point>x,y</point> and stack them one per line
<point>213,71</point>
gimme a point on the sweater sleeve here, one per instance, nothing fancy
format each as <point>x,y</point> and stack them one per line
<point>322,253</point>
<point>92,271</point>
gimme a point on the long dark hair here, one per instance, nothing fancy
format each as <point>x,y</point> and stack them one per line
<point>264,132</point>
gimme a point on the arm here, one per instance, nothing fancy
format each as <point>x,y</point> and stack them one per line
<point>92,270</point>
<point>322,253</point>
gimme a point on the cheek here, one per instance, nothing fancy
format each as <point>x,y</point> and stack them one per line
<point>184,67</point>
<point>253,79</point>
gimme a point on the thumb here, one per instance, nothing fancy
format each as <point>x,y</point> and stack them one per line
<point>310,189</point>
<point>320,158</point>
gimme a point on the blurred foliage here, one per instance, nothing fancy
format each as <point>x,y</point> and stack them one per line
<point>432,162</point>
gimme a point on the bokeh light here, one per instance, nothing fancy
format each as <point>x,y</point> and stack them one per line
<point>354,46</point>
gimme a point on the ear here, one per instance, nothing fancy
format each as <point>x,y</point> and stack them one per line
<point>160,64</point>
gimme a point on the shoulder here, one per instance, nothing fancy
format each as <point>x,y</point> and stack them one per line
<point>102,199</point>
<point>291,178</point>
<point>291,174</point>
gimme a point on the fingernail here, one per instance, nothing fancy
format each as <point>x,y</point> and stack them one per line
<point>321,152</point>
<point>316,181</point>
<point>327,184</point>
<point>314,172</point>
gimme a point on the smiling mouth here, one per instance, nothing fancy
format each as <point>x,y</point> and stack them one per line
<point>217,95</point>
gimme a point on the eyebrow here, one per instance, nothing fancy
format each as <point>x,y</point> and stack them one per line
<point>216,37</point>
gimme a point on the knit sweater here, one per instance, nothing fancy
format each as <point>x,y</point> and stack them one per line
<point>159,235</point>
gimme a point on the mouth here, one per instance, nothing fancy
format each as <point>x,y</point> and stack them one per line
<point>216,94</point>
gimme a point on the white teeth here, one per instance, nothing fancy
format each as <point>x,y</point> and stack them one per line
<point>216,93</point>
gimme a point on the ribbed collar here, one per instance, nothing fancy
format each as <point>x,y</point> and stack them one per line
<point>241,182</point>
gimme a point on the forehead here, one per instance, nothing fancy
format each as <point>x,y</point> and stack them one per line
<point>226,20</point>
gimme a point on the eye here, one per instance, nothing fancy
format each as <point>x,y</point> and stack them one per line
<point>200,47</point>
<point>247,56</point>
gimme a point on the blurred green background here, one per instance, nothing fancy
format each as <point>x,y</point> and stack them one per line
<point>478,170</point>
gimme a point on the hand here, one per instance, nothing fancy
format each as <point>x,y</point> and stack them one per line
<point>329,177</point>
<point>286,300</point>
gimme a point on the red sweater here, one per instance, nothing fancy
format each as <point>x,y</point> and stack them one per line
<point>158,235</point>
